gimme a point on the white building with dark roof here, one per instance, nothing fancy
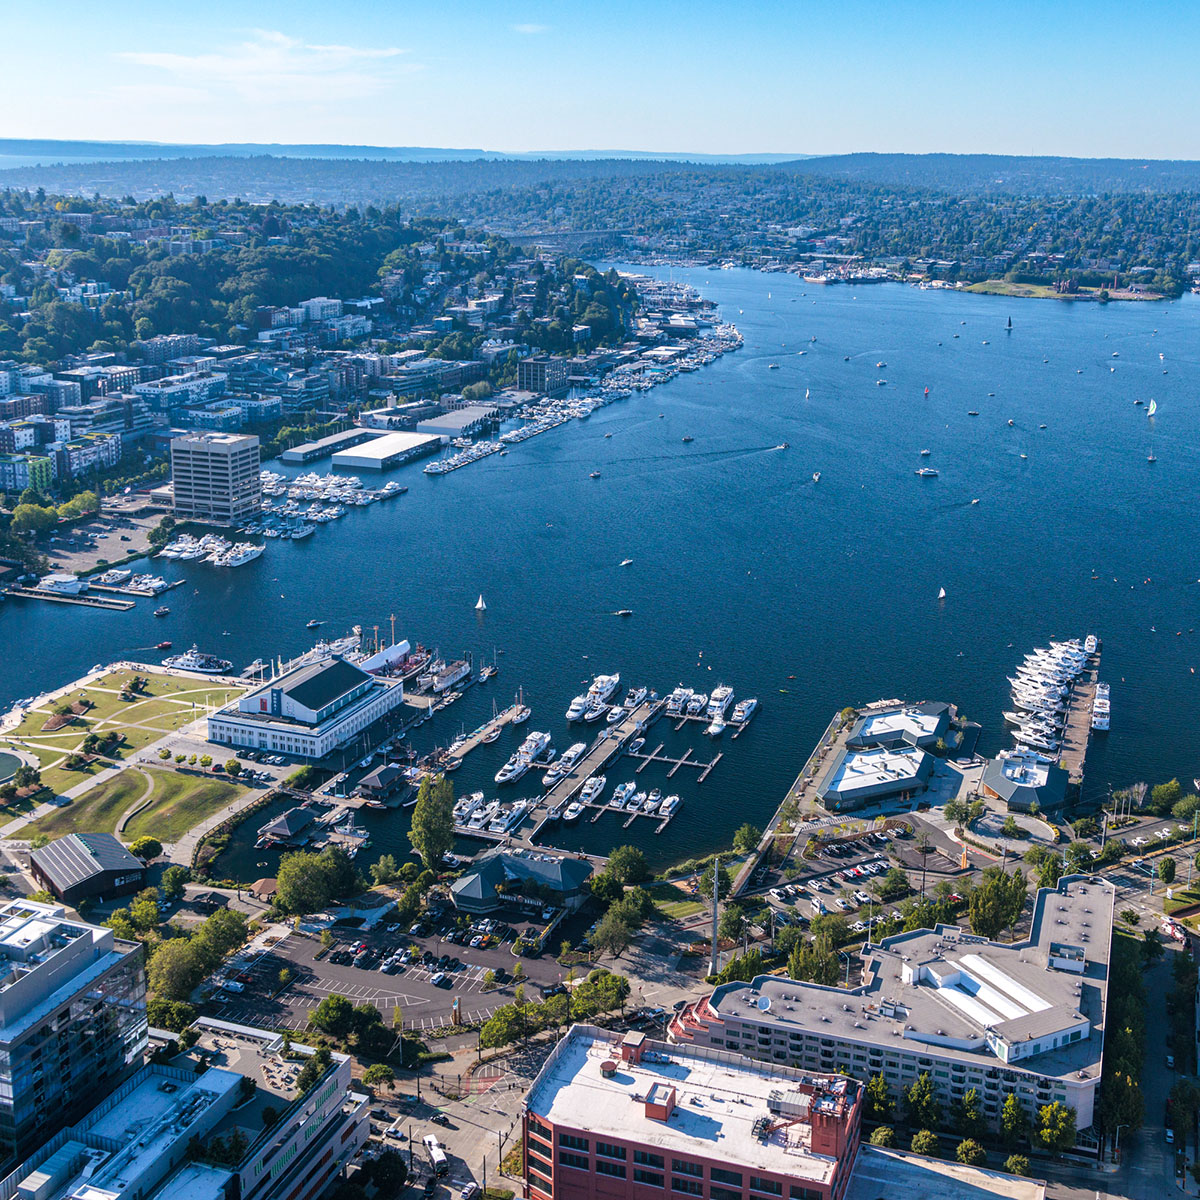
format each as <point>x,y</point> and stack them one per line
<point>307,712</point>
<point>1026,1017</point>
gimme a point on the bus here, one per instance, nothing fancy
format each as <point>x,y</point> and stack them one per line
<point>437,1156</point>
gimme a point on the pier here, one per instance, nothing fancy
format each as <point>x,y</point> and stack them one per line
<point>89,601</point>
<point>685,761</point>
<point>1078,726</point>
<point>484,731</point>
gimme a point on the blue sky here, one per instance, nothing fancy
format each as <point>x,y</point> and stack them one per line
<point>1056,77</point>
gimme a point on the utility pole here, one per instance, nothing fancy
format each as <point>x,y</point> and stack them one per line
<point>712,962</point>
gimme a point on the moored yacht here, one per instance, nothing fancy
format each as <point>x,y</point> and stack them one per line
<point>578,707</point>
<point>603,687</point>
<point>720,700</point>
<point>743,710</point>
<point>622,793</point>
<point>591,790</point>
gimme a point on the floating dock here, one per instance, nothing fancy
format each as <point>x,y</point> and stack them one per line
<point>84,598</point>
<point>1078,727</point>
<point>479,736</point>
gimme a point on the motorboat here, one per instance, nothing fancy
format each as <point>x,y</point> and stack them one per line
<point>720,700</point>
<point>595,712</point>
<point>669,806</point>
<point>162,611</point>
<point>621,794</point>
<point>573,812</point>
<point>926,472</point>
<point>565,765</point>
<point>743,710</point>
<point>715,727</point>
<point>677,701</point>
<point>578,707</point>
<point>615,714</point>
<point>696,705</point>
<point>196,660</point>
<point>591,790</point>
<point>602,688</point>
<point>163,646</point>
<point>634,697</point>
<point>636,745</point>
<point>1090,643</point>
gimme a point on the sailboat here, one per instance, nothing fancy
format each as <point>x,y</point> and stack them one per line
<point>479,604</point>
<point>941,593</point>
<point>1152,409</point>
<point>1010,324</point>
<point>806,393</point>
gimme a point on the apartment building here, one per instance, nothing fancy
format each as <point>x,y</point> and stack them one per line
<point>1026,1017</point>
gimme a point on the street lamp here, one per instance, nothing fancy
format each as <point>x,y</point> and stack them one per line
<point>1117,1142</point>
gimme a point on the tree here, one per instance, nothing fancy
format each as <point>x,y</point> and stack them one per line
<point>968,1119</point>
<point>1079,858</point>
<point>922,1104</point>
<point>175,1015</point>
<point>1152,947</point>
<point>176,969</point>
<point>1016,1164</point>
<point>143,910</point>
<point>1049,871</point>
<point>925,1141</point>
<point>885,1136</point>
<point>879,1099</point>
<point>233,767</point>
<point>996,903</point>
<point>285,976</point>
<point>307,882</point>
<point>1164,796</point>
<point>387,1172</point>
<point>385,870</point>
<point>612,935</point>
<point>970,1153</point>
<point>706,884</point>
<point>628,865</point>
<point>173,879</point>
<point>145,848</point>
<point>1014,1121</point>
<point>732,922</point>
<point>379,1075</point>
<point>32,518</point>
<point>1010,829</point>
<point>747,838</point>
<point>432,832</point>
<point>1166,871</point>
<point>334,1016</point>
<point>1055,1129</point>
<point>314,1067</point>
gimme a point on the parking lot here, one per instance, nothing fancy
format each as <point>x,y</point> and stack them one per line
<point>435,972</point>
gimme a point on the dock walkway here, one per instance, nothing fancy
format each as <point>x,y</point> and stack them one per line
<point>484,731</point>
<point>1078,727</point>
<point>85,599</point>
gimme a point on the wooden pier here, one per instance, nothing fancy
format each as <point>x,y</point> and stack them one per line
<point>477,738</point>
<point>1078,726</point>
<point>685,761</point>
<point>89,601</point>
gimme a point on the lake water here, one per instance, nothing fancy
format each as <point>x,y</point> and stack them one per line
<point>809,595</point>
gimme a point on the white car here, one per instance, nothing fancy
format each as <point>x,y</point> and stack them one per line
<point>844,905</point>
<point>776,894</point>
<point>862,897</point>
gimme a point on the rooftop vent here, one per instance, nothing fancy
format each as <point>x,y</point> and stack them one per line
<point>608,1068</point>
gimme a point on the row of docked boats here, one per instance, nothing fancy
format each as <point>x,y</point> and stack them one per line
<point>472,453</point>
<point>476,814</point>
<point>594,703</point>
<point>684,702</point>
<point>1101,707</point>
<point>1041,690</point>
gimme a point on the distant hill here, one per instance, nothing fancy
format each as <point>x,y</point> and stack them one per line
<point>32,151</point>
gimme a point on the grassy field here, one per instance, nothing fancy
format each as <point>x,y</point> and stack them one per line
<point>97,812</point>
<point>178,803</point>
<point>675,901</point>
<point>1028,291</point>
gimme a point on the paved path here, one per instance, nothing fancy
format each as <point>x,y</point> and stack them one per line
<point>140,802</point>
<point>181,851</point>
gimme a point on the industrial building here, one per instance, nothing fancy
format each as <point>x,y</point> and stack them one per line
<point>1026,781</point>
<point>156,1137</point>
<point>628,1118</point>
<point>1025,1018</point>
<point>307,712</point>
<point>72,1020</point>
<point>87,866</point>
<point>388,450</point>
<point>459,422</point>
<point>323,447</point>
<point>215,477</point>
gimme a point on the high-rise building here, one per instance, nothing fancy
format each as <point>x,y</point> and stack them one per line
<point>215,476</point>
<point>72,1020</point>
<point>542,373</point>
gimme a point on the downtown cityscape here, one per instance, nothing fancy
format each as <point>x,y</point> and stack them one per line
<point>541,670</point>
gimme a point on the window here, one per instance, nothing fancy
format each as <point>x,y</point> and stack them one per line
<point>610,1151</point>
<point>802,1193</point>
<point>653,1178</point>
<point>771,1186</point>
<point>720,1193</point>
<point>689,1187</point>
<point>720,1175</point>
<point>572,1142</point>
<point>609,1168</point>
<point>686,1168</point>
<point>647,1159</point>
<point>567,1159</point>
<point>536,1161</point>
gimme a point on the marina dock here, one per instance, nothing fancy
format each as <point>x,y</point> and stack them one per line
<point>676,763</point>
<point>484,731</point>
<point>1078,727</point>
<point>84,598</point>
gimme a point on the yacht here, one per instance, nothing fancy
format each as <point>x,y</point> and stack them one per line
<point>652,800</point>
<point>716,726</point>
<point>720,700</point>
<point>1101,709</point>
<point>634,697</point>
<point>695,706</point>
<point>592,789</point>
<point>482,816</point>
<point>573,812</point>
<point>743,710</point>
<point>534,745</point>
<point>603,687</point>
<point>677,701</point>
<point>926,472</point>
<point>669,806</point>
<point>162,611</point>
<point>1090,644</point>
<point>201,663</point>
<point>115,577</point>
<point>595,712</point>
<point>635,802</point>
<point>616,713</point>
<point>578,707</point>
<point>622,793</point>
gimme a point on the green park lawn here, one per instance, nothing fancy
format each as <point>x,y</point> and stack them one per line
<point>98,811</point>
<point>675,902</point>
<point>180,802</point>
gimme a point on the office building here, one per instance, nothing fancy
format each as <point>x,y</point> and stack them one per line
<point>1025,780</point>
<point>216,476</point>
<point>542,373</point>
<point>857,777</point>
<point>521,877</point>
<point>87,866</point>
<point>195,1129</point>
<point>622,1117</point>
<point>72,1020</point>
<point>309,711</point>
<point>1025,1018</point>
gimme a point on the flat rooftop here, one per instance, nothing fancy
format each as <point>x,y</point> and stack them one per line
<point>719,1098</point>
<point>1025,767</point>
<point>912,721</point>
<point>946,988</point>
<point>898,1175</point>
<point>874,768</point>
<point>326,445</point>
<point>378,451</point>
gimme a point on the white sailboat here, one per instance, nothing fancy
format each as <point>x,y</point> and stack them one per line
<point>941,593</point>
<point>1152,409</point>
<point>479,604</point>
